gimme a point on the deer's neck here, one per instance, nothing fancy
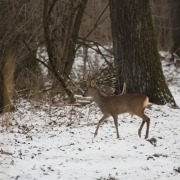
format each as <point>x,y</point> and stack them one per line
<point>98,98</point>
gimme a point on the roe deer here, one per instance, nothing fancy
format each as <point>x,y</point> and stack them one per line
<point>134,104</point>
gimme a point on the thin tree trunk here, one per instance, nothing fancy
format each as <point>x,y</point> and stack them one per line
<point>52,58</point>
<point>65,36</point>
<point>135,50</point>
<point>175,44</point>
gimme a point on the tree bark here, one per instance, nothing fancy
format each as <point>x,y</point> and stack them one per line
<point>135,51</point>
<point>175,32</point>
<point>6,78</point>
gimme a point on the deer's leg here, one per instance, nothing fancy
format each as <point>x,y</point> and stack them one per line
<point>145,119</point>
<point>147,128</point>
<point>116,124</point>
<point>140,129</point>
<point>100,122</point>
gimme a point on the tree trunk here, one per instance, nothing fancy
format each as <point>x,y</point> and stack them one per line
<point>175,44</point>
<point>161,17</point>
<point>135,50</point>
<point>64,35</point>
<point>6,79</point>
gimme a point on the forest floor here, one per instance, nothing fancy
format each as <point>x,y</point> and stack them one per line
<point>53,142</point>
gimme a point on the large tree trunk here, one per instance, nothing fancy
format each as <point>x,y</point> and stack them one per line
<point>135,50</point>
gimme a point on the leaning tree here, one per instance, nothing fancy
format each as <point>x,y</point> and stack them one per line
<point>135,51</point>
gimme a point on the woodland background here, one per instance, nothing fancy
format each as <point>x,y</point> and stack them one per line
<point>47,51</point>
<point>32,31</point>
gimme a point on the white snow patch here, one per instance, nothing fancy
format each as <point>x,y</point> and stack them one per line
<point>50,142</point>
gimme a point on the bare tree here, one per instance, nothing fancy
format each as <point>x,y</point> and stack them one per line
<point>61,36</point>
<point>62,21</point>
<point>7,55</point>
<point>19,22</point>
<point>135,50</point>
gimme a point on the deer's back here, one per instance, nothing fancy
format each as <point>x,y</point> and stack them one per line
<point>131,103</point>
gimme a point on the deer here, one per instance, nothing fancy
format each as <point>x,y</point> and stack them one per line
<point>131,103</point>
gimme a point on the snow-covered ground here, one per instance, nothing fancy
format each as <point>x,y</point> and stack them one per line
<point>56,142</point>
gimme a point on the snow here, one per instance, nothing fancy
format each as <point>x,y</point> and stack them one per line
<point>53,142</point>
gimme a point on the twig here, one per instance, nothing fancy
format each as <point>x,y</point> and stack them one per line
<point>5,152</point>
